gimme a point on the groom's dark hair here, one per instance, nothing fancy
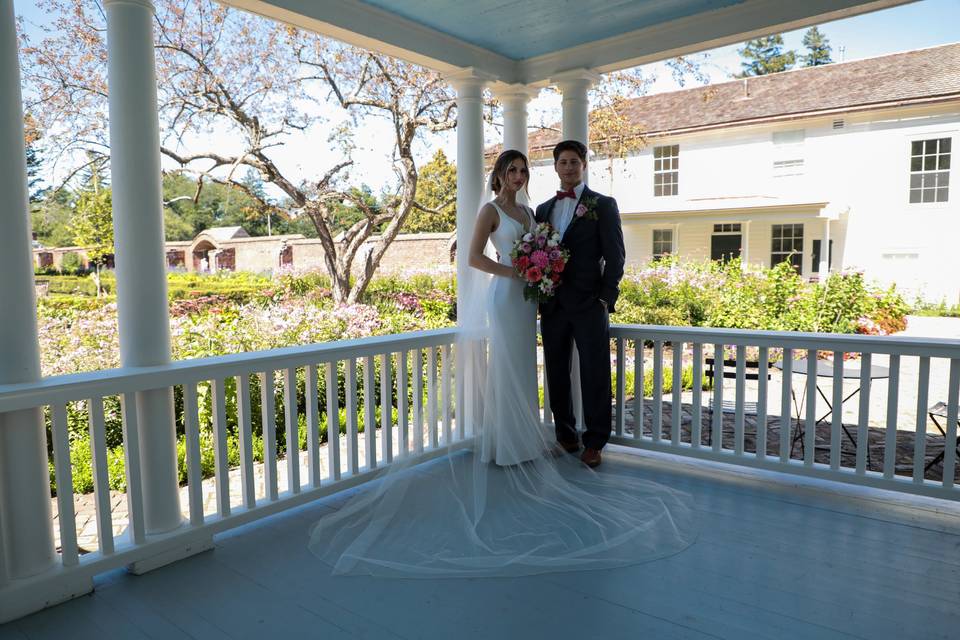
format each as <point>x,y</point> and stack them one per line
<point>570,145</point>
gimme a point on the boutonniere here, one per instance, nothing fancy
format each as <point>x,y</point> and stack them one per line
<point>587,208</point>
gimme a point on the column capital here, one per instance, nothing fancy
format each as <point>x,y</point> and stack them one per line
<point>575,78</point>
<point>143,4</point>
<point>503,91</point>
<point>468,82</point>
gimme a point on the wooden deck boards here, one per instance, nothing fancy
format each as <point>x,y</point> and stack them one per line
<point>777,557</point>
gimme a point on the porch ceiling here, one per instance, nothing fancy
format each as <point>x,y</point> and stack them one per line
<point>533,41</point>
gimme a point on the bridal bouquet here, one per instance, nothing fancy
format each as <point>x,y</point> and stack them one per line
<point>539,259</point>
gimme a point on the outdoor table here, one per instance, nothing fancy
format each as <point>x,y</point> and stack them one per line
<point>824,369</point>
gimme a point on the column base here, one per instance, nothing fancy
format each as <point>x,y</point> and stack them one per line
<point>185,549</point>
<point>22,597</point>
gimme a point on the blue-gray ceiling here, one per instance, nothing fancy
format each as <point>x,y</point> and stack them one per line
<point>522,29</point>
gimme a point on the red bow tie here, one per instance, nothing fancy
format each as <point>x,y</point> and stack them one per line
<point>566,194</point>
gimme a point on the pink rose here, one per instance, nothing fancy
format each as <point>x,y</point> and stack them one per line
<point>525,247</point>
<point>581,210</point>
<point>540,259</point>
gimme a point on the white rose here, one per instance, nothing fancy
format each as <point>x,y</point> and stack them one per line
<point>528,237</point>
<point>552,243</point>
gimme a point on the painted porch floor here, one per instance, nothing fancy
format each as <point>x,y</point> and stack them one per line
<point>777,557</point>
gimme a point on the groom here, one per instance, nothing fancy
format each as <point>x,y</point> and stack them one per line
<point>578,313</point>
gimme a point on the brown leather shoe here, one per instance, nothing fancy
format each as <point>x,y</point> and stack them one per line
<point>591,457</point>
<point>571,446</point>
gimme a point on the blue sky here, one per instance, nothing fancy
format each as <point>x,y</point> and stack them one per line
<point>917,25</point>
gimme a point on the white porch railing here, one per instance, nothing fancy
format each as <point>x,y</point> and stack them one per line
<point>418,382</point>
<point>804,405</point>
<point>424,428</point>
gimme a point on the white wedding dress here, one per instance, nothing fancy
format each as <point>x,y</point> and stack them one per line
<point>511,431</point>
<point>507,504</point>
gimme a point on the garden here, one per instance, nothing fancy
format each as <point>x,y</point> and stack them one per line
<point>212,315</point>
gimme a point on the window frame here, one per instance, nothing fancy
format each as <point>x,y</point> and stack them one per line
<point>939,174</point>
<point>778,255</point>
<point>666,179</point>
<point>662,254</point>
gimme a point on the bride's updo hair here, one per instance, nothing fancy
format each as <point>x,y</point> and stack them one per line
<point>500,168</point>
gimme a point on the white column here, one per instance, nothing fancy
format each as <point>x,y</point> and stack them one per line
<point>514,99</point>
<point>576,107</point>
<point>745,244</point>
<point>26,534</point>
<point>825,251</point>
<point>138,238</point>
<point>470,183</point>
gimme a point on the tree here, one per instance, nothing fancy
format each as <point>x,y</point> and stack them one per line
<point>436,197</point>
<point>31,136</point>
<point>213,74</point>
<point>818,48</point>
<point>765,55</point>
<point>92,225</point>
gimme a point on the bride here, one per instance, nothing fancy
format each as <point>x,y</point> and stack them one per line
<point>510,503</point>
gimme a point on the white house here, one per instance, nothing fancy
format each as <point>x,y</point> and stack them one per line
<point>855,156</point>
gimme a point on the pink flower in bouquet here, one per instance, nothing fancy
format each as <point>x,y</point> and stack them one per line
<point>525,247</point>
<point>540,259</point>
<point>534,274</point>
<point>555,255</point>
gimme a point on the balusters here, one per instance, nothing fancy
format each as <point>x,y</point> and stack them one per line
<point>657,426</point>
<point>810,426</point>
<point>248,492</point>
<point>333,420</point>
<point>920,434</point>
<point>417,430</point>
<point>696,426</point>
<point>621,385</point>
<point>676,412</point>
<point>890,439</point>
<point>403,415</point>
<point>313,425</point>
<point>445,393</point>
<point>131,459</point>
<point>269,421</point>
<point>950,441</point>
<point>786,393</point>
<point>191,429</point>
<point>101,481</point>
<point>739,416</point>
<point>716,431</point>
<point>292,422</point>
<point>64,471</point>
<point>432,396</point>
<point>350,381</point>
<point>369,413</point>
<point>863,418</point>
<point>638,388</point>
<point>763,362</point>
<point>221,470</point>
<point>836,425</point>
<point>386,409</point>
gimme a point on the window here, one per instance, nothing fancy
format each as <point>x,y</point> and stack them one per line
<point>787,245</point>
<point>662,243</point>
<point>727,227</point>
<point>788,158</point>
<point>929,170</point>
<point>666,170</point>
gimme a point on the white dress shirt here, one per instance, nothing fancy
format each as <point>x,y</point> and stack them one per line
<point>562,213</point>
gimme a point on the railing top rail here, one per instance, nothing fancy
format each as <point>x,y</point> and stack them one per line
<point>81,386</point>
<point>902,345</point>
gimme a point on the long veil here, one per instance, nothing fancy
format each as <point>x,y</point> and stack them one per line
<point>464,515</point>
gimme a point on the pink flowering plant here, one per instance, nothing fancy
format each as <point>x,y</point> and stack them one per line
<point>539,258</point>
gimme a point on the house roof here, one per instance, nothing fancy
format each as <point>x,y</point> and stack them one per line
<point>221,234</point>
<point>918,76</point>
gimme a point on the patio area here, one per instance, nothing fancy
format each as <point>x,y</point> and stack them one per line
<point>777,556</point>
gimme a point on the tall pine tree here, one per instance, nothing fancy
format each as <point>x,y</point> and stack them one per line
<point>765,55</point>
<point>818,49</point>
<point>435,210</point>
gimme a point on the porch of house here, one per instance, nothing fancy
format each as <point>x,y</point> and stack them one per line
<point>777,556</point>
